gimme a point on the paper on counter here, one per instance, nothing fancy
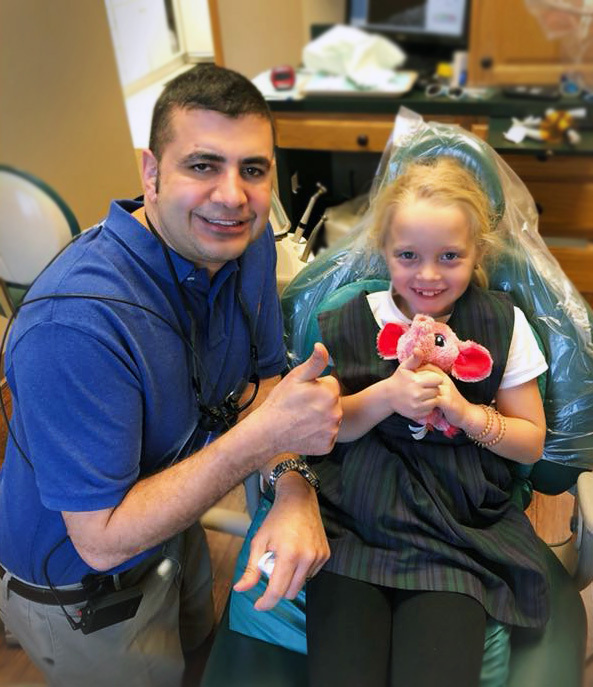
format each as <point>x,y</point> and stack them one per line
<point>398,83</point>
<point>348,51</point>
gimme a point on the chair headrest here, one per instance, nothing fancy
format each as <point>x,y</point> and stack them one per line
<point>452,141</point>
<point>526,270</point>
<point>35,223</point>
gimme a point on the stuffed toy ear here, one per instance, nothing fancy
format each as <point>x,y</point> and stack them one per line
<point>473,363</point>
<point>388,338</point>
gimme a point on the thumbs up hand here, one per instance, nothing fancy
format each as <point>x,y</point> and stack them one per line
<point>305,408</point>
<point>313,366</point>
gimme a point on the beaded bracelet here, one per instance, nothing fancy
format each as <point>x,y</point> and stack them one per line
<point>501,432</point>
<point>489,422</point>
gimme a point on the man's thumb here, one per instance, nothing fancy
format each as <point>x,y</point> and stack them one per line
<point>313,366</point>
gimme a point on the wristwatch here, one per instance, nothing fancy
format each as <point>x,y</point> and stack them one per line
<point>293,465</point>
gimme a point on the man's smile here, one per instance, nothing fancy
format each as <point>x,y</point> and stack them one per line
<point>226,224</point>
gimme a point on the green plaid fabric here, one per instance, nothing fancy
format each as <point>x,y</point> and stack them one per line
<point>435,513</point>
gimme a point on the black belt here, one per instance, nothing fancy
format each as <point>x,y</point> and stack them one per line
<point>45,595</point>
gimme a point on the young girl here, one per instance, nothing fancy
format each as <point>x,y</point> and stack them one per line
<point>426,543</point>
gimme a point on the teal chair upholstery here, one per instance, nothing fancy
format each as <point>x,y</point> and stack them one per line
<point>554,656</point>
<point>35,224</point>
<point>516,657</point>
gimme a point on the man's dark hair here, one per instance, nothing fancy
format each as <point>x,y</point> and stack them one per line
<point>205,87</point>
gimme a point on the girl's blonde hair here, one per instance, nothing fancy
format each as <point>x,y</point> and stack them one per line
<point>446,182</point>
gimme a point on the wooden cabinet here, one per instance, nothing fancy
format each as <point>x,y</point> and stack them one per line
<point>333,132</point>
<point>508,46</point>
<point>561,184</point>
<point>562,187</point>
<point>353,133</point>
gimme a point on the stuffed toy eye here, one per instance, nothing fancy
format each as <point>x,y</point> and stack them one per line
<point>439,340</point>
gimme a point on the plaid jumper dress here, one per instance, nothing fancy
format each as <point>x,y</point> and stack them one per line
<point>435,513</point>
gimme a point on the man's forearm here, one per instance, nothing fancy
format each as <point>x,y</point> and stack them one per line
<point>160,506</point>
<point>300,413</point>
<point>266,386</point>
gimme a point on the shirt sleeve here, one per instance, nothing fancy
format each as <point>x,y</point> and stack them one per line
<point>80,415</point>
<point>270,332</point>
<point>525,360</point>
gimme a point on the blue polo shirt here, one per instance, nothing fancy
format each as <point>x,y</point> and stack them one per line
<point>102,392</point>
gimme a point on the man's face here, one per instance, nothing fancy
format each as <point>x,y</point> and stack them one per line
<point>209,196</point>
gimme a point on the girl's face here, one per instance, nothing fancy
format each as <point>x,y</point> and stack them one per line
<point>431,257</point>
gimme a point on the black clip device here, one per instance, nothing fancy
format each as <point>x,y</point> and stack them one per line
<point>106,609</point>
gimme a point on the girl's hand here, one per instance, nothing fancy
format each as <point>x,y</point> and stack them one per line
<point>413,391</point>
<point>455,407</point>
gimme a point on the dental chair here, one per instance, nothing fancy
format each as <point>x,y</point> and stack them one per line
<point>35,224</point>
<point>267,649</point>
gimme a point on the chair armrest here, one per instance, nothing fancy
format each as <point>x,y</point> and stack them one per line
<point>583,573</point>
<point>577,554</point>
<point>235,522</point>
<point>226,520</point>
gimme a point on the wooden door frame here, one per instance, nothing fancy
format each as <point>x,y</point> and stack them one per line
<point>216,35</point>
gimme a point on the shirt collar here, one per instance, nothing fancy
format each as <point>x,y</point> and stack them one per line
<point>385,309</point>
<point>146,247</point>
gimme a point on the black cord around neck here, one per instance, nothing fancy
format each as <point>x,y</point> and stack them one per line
<point>229,409</point>
<point>193,326</point>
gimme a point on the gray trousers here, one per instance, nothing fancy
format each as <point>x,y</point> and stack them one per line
<point>175,616</point>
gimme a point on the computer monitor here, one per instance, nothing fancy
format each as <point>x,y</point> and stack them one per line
<point>430,29</point>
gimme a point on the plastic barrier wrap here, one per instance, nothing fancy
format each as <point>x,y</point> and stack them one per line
<point>525,269</point>
<point>570,22</point>
<point>563,18</point>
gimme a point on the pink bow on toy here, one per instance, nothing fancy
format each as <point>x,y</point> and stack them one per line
<point>465,360</point>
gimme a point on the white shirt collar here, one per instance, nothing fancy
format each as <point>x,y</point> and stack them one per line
<point>385,310</point>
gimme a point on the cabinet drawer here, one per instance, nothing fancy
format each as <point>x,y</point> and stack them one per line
<point>577,264</point>
<point>334,132</point>
<point>566,208</point>
<point>562,187</point>
<point>346,133</point>
<point>560,167</point>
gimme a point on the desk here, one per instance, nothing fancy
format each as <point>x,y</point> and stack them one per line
<point>338,141</point>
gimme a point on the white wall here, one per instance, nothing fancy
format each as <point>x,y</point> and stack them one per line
<point>62,114</point>
<point>195,25</point>
<point>141,38</point>
<point>146,48</point>
<point>258,34</point>
<point>321,12</point>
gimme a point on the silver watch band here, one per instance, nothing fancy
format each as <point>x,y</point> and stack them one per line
<point>293,465</point>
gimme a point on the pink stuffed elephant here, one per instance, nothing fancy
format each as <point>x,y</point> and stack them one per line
<point>464,360</point>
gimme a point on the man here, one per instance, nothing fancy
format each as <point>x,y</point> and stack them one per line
<point>121,372</point>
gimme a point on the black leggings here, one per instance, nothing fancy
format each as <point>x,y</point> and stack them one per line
<point>362,635</point>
